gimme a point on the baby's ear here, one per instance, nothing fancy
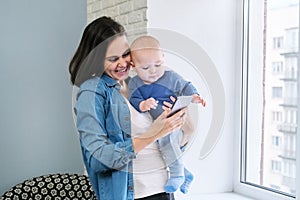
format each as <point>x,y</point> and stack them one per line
<point>134,68</point>
<point>132,65</point>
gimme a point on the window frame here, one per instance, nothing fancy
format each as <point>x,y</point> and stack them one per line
<point>278,42</point>
<point>277,92</point>
<point>240,187</point>
<point>277,67</point>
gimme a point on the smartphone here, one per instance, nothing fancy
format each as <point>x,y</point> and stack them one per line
<point>181,102</point>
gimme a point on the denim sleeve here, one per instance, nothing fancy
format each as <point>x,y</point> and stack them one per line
<point>100,153</point>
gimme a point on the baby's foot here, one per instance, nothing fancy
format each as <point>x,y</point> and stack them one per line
<point>184,188</point>
<point>173,184</point>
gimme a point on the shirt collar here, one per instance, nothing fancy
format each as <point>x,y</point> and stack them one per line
<point>110,82</point>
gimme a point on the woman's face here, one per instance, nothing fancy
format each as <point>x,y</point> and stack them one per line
<point>117,59</point>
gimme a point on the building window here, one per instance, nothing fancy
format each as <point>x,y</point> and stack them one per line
<point>290,116</point>
<point>291,39</point>
<point>276,116</point>
<point>290,144</point>
<point>276,141</point>
<point>276,166</point>
<point>289,170</point>
<point>276,92</point>
<point>277,42</point>
<point>277,67</point>
<point>270,26</point>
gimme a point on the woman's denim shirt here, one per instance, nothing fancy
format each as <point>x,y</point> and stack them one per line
<point>103,123</point>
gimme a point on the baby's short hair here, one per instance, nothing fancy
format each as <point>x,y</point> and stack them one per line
<point>145,42</point>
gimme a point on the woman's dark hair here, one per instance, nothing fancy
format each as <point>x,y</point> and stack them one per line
<point>88,59</point>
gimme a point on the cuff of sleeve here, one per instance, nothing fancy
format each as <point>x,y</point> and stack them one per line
<point>128,148</point>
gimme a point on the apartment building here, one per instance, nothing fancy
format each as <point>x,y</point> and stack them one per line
<point>281,98</point>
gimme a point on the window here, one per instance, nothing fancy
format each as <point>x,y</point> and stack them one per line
<point>290,116</point>
<point>277,67</point>
<point>276,141</point>
<point>276,116</point>
<point>276,166</point>
<point>276,92</point>
<point>289,170</point>
<point>292,39</point>
<point>270,103</point>
<point>277,42</point>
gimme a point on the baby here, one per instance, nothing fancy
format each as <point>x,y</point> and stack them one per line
<point>148,90</point>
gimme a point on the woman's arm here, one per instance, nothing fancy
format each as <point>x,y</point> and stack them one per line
<point>100,153</point>
<point>188,127</point>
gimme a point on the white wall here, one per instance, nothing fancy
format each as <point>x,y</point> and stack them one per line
<point>212,25</point>
<point>38,135</point>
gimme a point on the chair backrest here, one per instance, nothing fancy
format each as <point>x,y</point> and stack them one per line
<point>52,186</point>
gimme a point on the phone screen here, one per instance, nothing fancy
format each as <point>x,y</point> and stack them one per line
<point>181,102</point>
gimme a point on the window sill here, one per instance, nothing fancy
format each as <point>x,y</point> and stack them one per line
<point>219,196</point>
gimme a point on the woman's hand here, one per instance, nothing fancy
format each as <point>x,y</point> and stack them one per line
<point>161,127</point>
<point>164,125</point>
<point>167,106</point>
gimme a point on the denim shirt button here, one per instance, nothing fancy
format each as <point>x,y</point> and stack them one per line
<point>130,187</point>
<point>126,118</point>
<point>128,135</point>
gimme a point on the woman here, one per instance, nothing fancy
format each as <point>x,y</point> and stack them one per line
<point>99,67</point>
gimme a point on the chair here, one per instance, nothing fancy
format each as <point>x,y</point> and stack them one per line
<point>52,187</point>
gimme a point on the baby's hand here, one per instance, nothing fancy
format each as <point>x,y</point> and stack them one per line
<point>198,99</point>
<point>148,104</point>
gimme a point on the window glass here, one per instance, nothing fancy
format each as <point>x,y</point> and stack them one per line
<point>277,67</point>
<point>271,84</point>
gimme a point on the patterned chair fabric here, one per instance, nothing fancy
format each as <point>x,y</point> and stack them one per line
<point>52,187</point>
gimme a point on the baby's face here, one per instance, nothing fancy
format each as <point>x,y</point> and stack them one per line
<point>148,64</point>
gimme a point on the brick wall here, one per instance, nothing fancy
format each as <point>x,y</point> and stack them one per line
<point>130,13</point>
